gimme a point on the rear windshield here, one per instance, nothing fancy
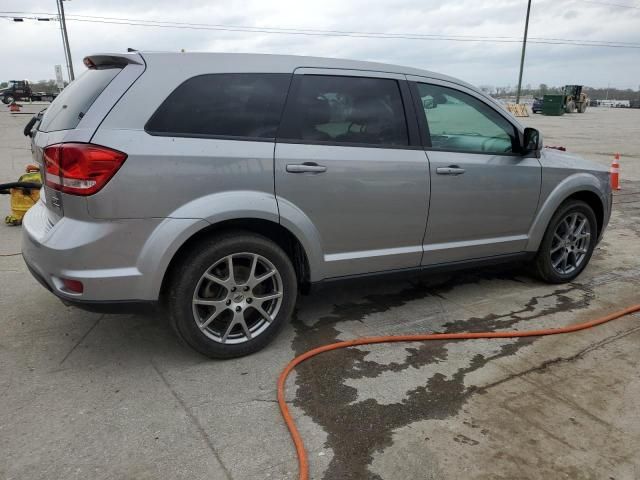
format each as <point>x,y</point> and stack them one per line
<point>70,106</point>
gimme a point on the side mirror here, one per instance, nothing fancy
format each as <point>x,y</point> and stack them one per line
<point>532,141</point>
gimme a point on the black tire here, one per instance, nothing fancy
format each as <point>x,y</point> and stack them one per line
<point>7,100</point>
<point>543,264</point>
<point>570,107</point>
<point>185,278</point>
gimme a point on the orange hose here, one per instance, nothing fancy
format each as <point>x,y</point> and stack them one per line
<point>303,461</point>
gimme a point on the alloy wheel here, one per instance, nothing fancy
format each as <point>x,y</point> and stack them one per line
<point>570,244</point>
<point>237,298</point>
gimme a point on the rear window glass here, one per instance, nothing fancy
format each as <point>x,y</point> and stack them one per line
<point>228,105</point>
<point>351,110</point>
<point>72,104</point>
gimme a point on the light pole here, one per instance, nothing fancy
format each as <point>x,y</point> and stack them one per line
<point>65,40</point>
<point>524,46</point>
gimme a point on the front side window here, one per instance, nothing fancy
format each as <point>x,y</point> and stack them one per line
<point>349,110</point>
<point>229,104</point>
<point>460,122</point>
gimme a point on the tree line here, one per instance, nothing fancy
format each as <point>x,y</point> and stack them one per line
<point>544,89</point>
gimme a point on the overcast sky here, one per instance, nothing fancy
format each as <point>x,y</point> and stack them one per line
<point>31,49</point>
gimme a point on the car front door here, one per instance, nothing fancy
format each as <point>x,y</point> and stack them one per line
<point>484,192</point>
<point>349,164</point>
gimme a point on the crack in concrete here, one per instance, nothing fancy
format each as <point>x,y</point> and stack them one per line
<point>81,339</point>
<point>193,419</point>
<point>558,360</point>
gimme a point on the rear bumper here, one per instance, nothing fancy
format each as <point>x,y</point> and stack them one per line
<point>118,262</point>
<point>97,306</point>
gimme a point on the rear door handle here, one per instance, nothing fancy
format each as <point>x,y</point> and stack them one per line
<point>306,167</point>
<point>450,170</point>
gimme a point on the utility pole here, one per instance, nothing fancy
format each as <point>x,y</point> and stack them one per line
<point>65,40</point>
<point>524,46</point>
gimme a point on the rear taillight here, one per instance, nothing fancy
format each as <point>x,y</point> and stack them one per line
<point>80,168</point>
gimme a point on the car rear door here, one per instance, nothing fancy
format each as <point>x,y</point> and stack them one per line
<point>484,193</point>
<point>348,163</point>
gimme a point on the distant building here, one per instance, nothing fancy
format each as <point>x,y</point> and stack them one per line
<point>614,103</point>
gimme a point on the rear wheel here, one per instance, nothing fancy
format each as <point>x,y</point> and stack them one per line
<point>7,99</point>
<point>568,243</point>
<point>232,294</point>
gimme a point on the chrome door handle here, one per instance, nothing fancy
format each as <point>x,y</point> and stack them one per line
<point>307,167</point>
<point>450,170</point>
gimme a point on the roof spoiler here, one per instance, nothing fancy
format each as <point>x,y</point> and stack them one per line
<point>113,60</point>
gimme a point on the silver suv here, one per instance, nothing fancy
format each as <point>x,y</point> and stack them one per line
<point>221,185</point>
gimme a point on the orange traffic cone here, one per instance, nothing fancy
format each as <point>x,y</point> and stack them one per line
<point>14,107</point>
<point>615,172</point>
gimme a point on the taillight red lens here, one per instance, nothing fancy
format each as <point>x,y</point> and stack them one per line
<point>80,168</point>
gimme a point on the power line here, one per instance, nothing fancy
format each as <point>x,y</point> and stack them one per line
<point>331,33</point>
<point>343,32</point>
<point>619,5</point>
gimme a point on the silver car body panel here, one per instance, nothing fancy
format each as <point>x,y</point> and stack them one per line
<point>563,175</point>
<point>369,206</point>
<point>374,209</point>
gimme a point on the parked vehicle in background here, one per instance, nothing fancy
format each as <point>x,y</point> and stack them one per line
<point>536,106</point>
<point>219,186</point>
<point>21,90</point>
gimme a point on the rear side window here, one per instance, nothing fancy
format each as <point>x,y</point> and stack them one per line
<point>349,110</point>
<point>223,105</point>
<point>72,104</point>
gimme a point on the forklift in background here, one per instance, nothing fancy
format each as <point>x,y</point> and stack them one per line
<point>571,100</point>
<point>575,100</point>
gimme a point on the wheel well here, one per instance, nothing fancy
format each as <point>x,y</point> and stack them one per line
<point>594,202</point>
<point>271,230</point>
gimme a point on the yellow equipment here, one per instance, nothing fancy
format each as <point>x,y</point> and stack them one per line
<point>24,194</point>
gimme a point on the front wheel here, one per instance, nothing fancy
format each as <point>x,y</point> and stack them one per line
<point>568,243</point>
<point>570,107</point>
<point>231,294</point>
<point>7,100</point>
